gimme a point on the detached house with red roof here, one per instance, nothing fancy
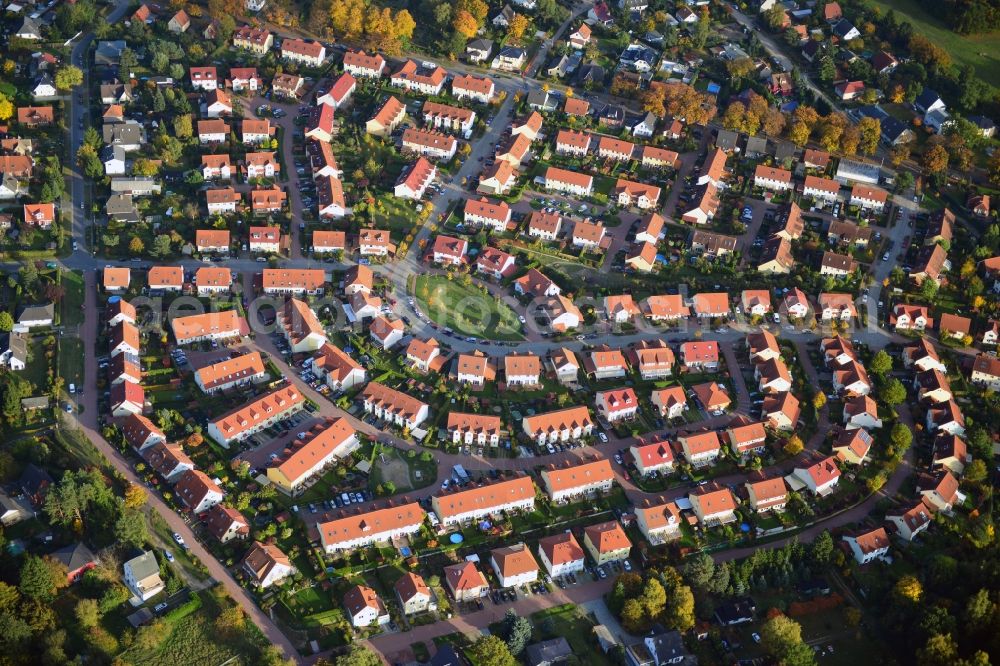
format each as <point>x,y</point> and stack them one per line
<point>617,405</point>
<point>414,181</point>
<point>495,263</point>
<point>449,250</point>
<point>713,507</point>
<point>198,492</point>
<point>767,495</point>
<point>204,78</point>
<point>483,212</point>
<point>514,565</point>
<point>606,542</point>
<point>653,457</point>
<point>659,523</point>
<point>466,582</point>
<point>560,554</point>
<point>820,478</point>
<point>413,594</point>
<point>670,402</point>
<point>364,607</point>
<point>700,449</point>
<point>869,545</point>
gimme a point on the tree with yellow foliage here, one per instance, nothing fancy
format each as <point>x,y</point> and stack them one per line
<point>794,445</point>
<point>518,26</point>
<point>6,108</point>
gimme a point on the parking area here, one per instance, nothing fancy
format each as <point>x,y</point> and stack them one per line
<point>266,445</point>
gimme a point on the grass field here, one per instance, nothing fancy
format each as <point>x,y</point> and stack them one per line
<point>466,309</point>
<point>71,313</point>
<point>194,641</point>
<point>71,360</point>
<point>980,51</point>
<point>402,471</point>
<point>573,624</point>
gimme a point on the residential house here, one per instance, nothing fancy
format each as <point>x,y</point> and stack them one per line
<point>462,506</point>
<point>659,523</point>
<point>606,542</point>
<point>558,426</point>
<point>670,402</point>
<point>394,406</point>
<point>349,531</point>
<point>819,478</point>
<point>869,545</point>
<point>713,507</point>
<point>701,448</point>
<point>266,565</point>
<point>561,554</point>
<point>767,494</point>
<point>514,565</point>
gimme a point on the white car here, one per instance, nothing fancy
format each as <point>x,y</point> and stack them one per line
<point>602,437</point>
<point>777,318</point>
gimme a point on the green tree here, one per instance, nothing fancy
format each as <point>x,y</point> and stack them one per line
<point>893,393</point>
<point>6,322</point>
<point>929,290</point>
<point>87,613</point>
<point>182,127</point>
<point>901,437</point>
<point>871,132</point>
<point>39,579</point>
<point>490,651</point>
<point>938,651</point>
<point>161,246</point>
<point>881,363</point>
<point>909,589</point>
<point>699,570</point>
<point>517,630</point>
<point>130,528</point>
<point>775,17</point>
<point>68,77</point>
<point>702,29</point>
<point>359,655</point>
<point>821,550</point>
<point>976,472</point>
<point>781,637</point>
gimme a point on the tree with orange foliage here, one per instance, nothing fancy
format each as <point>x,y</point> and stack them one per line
<point>465,24</point>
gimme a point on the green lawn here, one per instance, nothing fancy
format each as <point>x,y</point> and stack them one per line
<point>466,309</point>
<point>397,215</point>
<point>573,624</point>
<point>402,471</point>
<point>71,311</point>
<point>36,370</point>
<point>194,641</point>
<point>980,51</point>
<point>71,360</point>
